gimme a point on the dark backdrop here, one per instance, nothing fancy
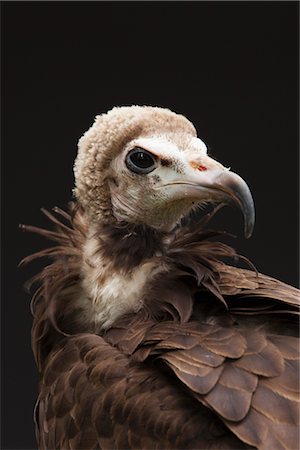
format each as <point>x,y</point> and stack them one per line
<point>231,68</point>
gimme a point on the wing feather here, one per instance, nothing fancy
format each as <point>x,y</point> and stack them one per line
<point>251,388</point>
<point>235,281</point>
<point>101,398</point>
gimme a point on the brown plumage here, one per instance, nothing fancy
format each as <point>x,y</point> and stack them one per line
<point>205,358</point>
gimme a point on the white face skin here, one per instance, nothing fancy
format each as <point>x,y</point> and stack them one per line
<point>180,180</point>
<point>177,181</point>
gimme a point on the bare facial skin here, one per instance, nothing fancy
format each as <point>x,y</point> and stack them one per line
<point>150,176</point>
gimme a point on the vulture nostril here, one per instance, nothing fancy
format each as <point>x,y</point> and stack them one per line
<point>195,165</point>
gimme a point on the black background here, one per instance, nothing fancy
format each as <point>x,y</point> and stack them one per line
<point>231,68</point>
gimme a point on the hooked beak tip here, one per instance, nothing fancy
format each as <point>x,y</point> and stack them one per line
<point>248,229</point>
<point>238,191</point>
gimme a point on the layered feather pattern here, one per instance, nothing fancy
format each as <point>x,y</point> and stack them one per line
<point>210,361</point>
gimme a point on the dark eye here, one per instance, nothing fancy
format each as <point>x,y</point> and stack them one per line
<point>140,161</point>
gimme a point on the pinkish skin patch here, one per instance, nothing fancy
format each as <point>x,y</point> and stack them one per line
<point>196,166</point>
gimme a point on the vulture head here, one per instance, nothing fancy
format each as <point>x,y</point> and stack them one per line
<point>138,172</point>
<point>146,166</point>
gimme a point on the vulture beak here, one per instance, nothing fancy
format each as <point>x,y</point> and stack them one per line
<point>232,189</point>
<point>214,183</point>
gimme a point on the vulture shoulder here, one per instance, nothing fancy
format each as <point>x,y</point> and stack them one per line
<point>210,361</point>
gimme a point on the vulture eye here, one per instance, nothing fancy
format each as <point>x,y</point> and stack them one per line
<point>140,161</point>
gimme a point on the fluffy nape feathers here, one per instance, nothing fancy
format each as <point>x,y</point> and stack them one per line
<point>104,141</point>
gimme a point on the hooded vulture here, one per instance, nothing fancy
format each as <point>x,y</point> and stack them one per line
<point>144,337</point>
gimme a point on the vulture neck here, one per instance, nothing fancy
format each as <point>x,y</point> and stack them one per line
<point>118,263</point>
